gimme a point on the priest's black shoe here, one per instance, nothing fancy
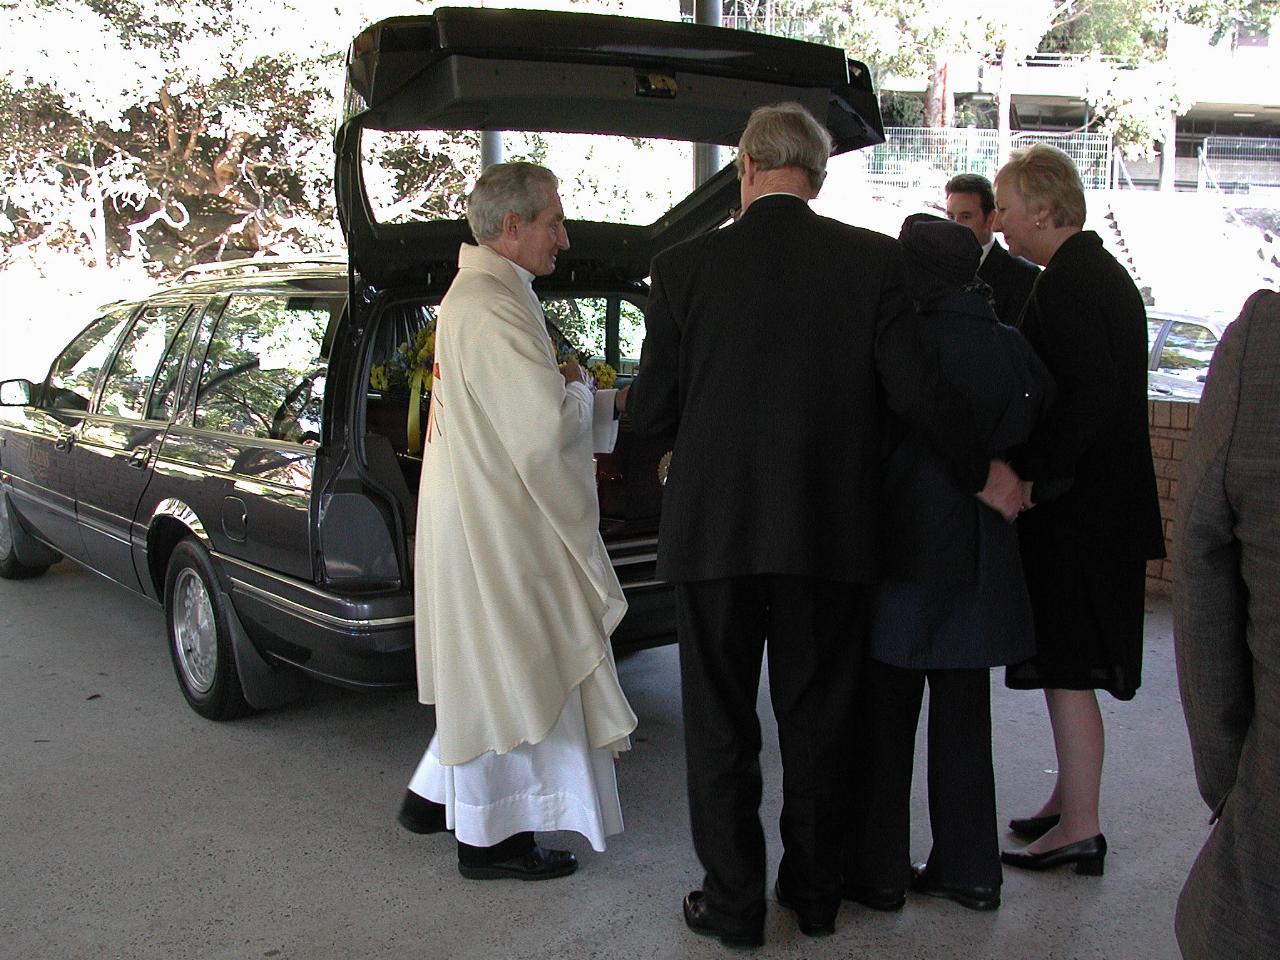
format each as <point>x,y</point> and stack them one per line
<point>1087,855</point>
<point>889,899</point>
<point>975,898</point>
<point>812,921</point>
<point>539,863</point>
<point>420,815</point>
<point>700,919</point>
<point>1033,828</point>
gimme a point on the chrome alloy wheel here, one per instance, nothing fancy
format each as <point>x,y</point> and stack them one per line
<point>6,531</point>
<point>195,631</point>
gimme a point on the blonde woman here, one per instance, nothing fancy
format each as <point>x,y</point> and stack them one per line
<point>1090,517</point>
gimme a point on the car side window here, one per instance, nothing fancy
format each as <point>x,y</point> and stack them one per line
<point>73,374</point>
<point>164,390</point>
<point>582,322</point>
<point>1188,348</point>
<point>124,390</point>
<point>264,374</point>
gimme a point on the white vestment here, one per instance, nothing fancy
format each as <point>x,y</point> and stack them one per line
<point>515,598</point>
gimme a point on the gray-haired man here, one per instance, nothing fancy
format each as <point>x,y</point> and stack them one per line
<point>514,595</point>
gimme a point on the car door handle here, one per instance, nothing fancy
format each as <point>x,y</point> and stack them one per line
<point>64,441</point>
<point>138,459</point>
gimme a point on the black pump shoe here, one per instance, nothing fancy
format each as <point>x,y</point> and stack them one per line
<point>699,918</point>
<point>1033,828</point>
<point>1087,855</point>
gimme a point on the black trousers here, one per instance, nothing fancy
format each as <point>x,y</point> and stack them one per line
<point>815,632</point>
<point>962,795</point>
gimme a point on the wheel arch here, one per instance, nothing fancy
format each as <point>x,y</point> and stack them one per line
<point>171,522</point>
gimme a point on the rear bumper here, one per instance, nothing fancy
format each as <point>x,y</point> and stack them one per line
<point>366,641</point>
<point>360,640</point>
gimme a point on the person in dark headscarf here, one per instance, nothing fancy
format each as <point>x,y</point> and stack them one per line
<point>952,603</point>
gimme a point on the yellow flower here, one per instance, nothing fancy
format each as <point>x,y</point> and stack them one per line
<point>378,378</point>
<point>605,375</point>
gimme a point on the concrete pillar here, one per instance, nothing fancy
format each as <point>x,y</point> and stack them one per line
<point>706,156</point>
<point>490,147</point>
<point>1168,161</point>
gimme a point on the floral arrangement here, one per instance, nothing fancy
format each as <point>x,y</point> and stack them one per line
<point>600,375</point>
<point>410,369</point>
<point>409,361</point>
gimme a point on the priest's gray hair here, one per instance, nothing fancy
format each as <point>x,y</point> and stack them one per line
<point>521,188</point>
<point>786,135</point>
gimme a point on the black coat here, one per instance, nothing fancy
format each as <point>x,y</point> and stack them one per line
<point>1010,279</point>
<point>953,594</point>
<point>1090,458</point>
<point>772,348</point>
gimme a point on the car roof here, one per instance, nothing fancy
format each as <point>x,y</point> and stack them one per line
<point>1217,323</point>
<point>556,72</point>
<point>315,274</point>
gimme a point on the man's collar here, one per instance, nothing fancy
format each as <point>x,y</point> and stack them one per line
<point>775,198</point>
<point>986,248</point>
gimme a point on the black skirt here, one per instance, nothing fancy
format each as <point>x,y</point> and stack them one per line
<point>1088,625</point>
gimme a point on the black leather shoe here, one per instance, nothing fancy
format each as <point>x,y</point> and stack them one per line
<point>1033,828</point>
<point>975,898</point>
<point>537,864</point>
<point>812,922</point>
<point>700,919</point>
<point>888,899</point>
<point>1087,855</point>
<point>420,815</point>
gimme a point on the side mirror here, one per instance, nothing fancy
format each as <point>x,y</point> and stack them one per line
<point>16,393</point>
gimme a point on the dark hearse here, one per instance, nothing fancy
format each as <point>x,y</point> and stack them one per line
<point>243,446</point>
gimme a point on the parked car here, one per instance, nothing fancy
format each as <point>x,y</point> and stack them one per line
<point>1181,347</point>
<point>243,446</point>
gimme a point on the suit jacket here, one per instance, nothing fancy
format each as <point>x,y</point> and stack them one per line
<point>772,348</point>
<point>1010,279</point>
<point>1227,637</point>
<point>1090,458</point>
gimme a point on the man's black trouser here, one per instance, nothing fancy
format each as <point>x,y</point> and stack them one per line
<point>815,632</point>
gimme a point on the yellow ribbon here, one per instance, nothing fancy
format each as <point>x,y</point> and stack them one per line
<point>414,426</point>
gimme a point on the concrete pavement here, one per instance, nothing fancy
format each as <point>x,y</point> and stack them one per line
<point>132,828</point>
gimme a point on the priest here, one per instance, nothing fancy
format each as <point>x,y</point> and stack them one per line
<point>514,596</point>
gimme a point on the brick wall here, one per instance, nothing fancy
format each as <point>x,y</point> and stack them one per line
<point>1171,422</point>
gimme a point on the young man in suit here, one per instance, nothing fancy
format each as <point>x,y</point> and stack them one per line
<point>971,202</point>
<point>769,346</point>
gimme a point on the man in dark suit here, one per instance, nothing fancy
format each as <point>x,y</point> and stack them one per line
<point>770,346</point>
<point>971,202</point>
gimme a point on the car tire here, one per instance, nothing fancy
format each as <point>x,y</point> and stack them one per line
<point>200,636</point>
<point>11,568</point>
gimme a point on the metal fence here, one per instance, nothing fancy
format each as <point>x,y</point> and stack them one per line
<point>926,157</point>
<point>1242,164</point>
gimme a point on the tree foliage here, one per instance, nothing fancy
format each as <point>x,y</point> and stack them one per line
<point>176,131</point>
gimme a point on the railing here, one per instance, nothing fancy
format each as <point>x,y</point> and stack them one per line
<point>929,156</point>
<point>1241,164</point>
<point>1072,59</point>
